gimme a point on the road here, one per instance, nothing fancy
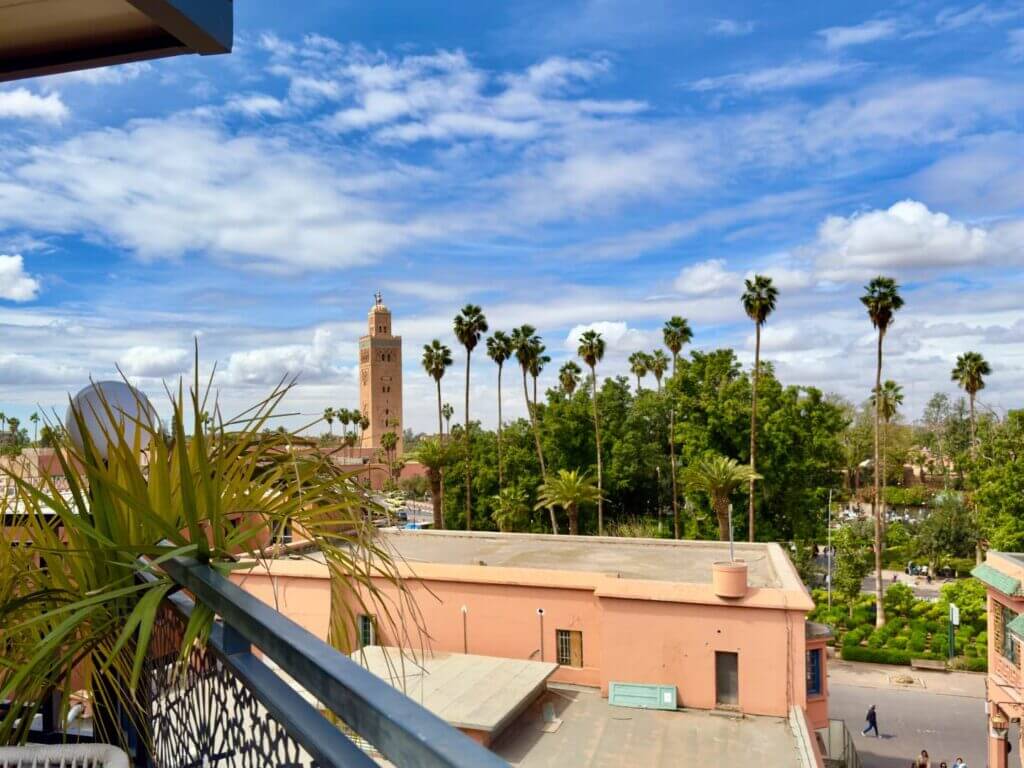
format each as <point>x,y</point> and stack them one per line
<point>910,720</point>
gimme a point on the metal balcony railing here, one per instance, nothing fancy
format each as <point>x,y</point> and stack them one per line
<point>229,708</point>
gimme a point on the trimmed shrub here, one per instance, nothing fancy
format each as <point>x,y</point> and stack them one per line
<point>976,664</point>
<point>875,655</point>
<point>899,642</point>
<point>918,641</point>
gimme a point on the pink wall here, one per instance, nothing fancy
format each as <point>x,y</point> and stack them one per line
<point>817,706</point>
<point>628,640</point>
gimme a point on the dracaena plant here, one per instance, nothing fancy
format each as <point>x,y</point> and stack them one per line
<point>84,621</point>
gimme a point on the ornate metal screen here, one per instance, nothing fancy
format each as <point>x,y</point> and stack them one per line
<point>203,715</point>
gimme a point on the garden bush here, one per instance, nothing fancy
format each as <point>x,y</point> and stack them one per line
<point>918,640</point>
<point>899,642</point>
<point>877,656</point>
<point>975,664</point>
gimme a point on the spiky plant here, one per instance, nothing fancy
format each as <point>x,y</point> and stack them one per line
<point>719,478</point>
<point>85,621</point>
<point>569,489</point>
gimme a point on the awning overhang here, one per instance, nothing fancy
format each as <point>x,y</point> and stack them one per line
<point>45,37</point>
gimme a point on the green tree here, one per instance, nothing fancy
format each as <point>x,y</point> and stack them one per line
<point>525,343</point>
<point>676,334</point>
<point>639,365</point>
<point>758,302</point>
<point>569,377</point>
<point>537,362</point>
<point>447,410</point>
<point>882,300</point>
<point>852,564</point>
<point>499,349</point>
<point>591,350</point>
<point>996,482</point>
<point>329,418</point>
<point>970,372</point>
<point>511,509</point>
<point>434,454</point>
<point>34,418</point>
<point>657,362</point>
<point>389,444</point>
<point>949,530</point>
<point>437,357</point>
<point>569,490</point>
<point>469,326</point>
<point>718,477</point>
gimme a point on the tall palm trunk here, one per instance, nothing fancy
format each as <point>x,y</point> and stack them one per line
<point>534,389</point>
<point>440,436</point>
<point>574,519</point>
<point>597,438</point>
<point>501,469</point>
<point>879,604</point>
<point>469,454</point>
<point>970,399</point>
<point>672,460</point>
<point>540,452</point>
<point>753,429</point>
<point>885,467</point>
<point>638,385</point>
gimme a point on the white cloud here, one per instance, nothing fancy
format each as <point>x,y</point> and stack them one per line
<point>267,366</point>
<point>706,278</point>
<point>21,103</point>
<point>618,337</point>
<point>1015,40</point>
<point>784,278</point>
<point>731,28</point>
<point>952,18</point>
<point>868,32</point>
<point>257,105</point>
<point>907,236</point>
<point>15,283</point>
<point>252,199</point>
<point>794,75</point>
<point>154,361</point>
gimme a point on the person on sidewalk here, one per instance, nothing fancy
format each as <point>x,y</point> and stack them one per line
<point>959,763</point>
<point>872,722</point>
<point>923,760</point>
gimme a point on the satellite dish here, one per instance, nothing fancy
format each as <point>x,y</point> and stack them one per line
<point>131,410</point>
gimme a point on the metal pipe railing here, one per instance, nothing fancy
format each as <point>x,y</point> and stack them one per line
<point>402,730</point>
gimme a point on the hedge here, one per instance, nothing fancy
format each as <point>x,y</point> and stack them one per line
<point>876,655</point>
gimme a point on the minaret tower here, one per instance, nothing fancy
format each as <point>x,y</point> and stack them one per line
<point>380,377</point>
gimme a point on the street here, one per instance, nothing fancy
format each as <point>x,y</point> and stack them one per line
<point>943,713</point>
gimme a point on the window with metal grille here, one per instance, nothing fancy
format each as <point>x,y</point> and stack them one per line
<point>814,672</point>
<point>367,631</point>
<point>1008,647</point>
<point>569,647</point>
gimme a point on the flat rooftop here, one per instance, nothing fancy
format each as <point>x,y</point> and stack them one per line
<point>587,730</point>
<point>482,693</point>
<point>687,562</point>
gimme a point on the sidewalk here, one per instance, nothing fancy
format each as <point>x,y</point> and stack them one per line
<point>891,677</point>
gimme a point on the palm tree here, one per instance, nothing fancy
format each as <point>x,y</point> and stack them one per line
<point>3,421</point>
<point>537,362</point>
<point>364,423</point>
<point>657,362</point>
<point>448,410</point>
<point>569,377</point>
<point>344,417</point>
<point>469,325</point>
<point>638,366</point>
<point>591,350</point>
<point>882,300</point>
<point>969,372</point>
<point>568,490</point>
<point>34,418</point>
<point>525,342</point>
<point>329,418</point>
<point>719,478</point>
<point>511,509</point>
<point>892,399</point>
<point>758,302</point>
<point>434,454</point>
<point>676,334</point>
<point>12,424</point>
<point>436,359</point>
<point>388,443</point>
<point>499,349</point>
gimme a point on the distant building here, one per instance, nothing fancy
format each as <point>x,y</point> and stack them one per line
<point>1003,574</point>
<point>651,617</point>
<point>380,378</point>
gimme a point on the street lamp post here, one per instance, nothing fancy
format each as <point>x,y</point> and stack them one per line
<point>828,552</point>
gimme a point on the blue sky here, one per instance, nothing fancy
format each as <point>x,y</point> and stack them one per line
<point>579,164</point>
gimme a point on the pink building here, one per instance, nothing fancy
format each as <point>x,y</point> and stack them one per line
<point>1003,574</point>
<point>606,610</point>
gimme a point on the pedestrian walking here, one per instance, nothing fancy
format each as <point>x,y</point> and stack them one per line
<point>923,761</point>
<point>959,763</point>
<point>872,722</point>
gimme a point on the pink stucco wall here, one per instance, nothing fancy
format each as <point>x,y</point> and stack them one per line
<point>627,637</point>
